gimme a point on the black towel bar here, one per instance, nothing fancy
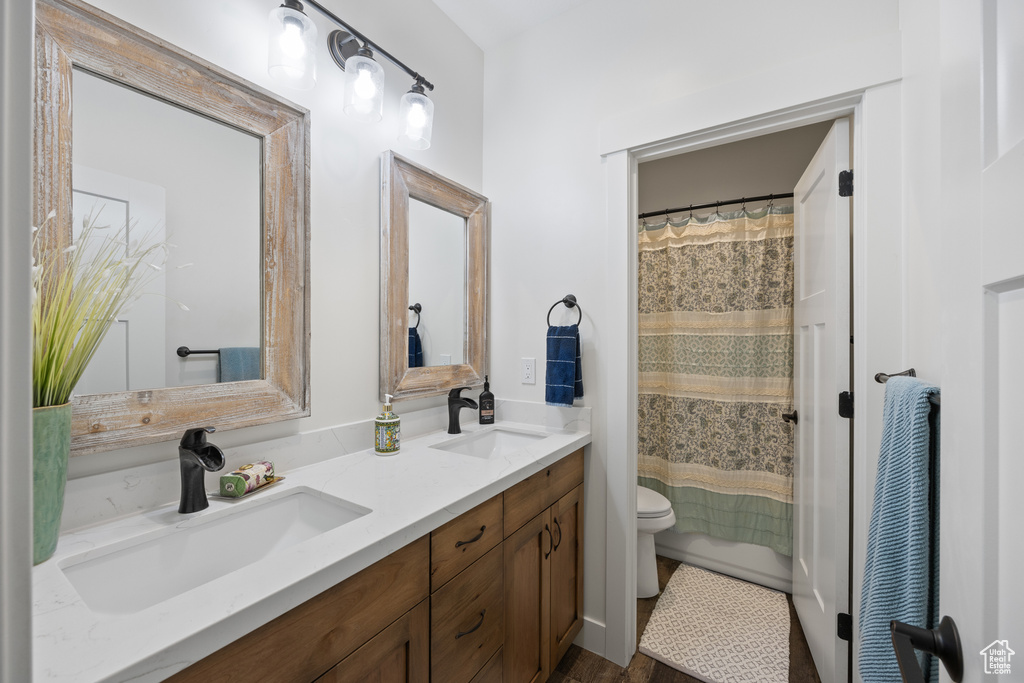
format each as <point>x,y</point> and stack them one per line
<point>416,308</point>
<point>570,302</point>
<point>185,352</point>
<point>882,378</point>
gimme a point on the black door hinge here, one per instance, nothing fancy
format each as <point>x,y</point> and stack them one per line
<point>844,626</point>
<point>846,183</point>
<point>846,404</point>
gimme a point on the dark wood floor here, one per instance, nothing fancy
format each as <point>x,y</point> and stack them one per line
<point>581,666</point>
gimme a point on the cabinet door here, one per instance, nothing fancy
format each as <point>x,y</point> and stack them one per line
<point>566,572</point>
<point>398,654</point>
<point>526,657</point>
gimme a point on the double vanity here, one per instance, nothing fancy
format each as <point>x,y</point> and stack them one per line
<point>356,559</point>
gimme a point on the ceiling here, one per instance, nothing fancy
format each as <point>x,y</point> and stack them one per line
<point>491,22</point>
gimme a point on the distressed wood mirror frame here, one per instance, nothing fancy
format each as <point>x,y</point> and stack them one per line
<point>402,180</point>
<point>71,34</point>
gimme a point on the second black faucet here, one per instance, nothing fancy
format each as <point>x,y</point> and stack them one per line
<point>457,402</point>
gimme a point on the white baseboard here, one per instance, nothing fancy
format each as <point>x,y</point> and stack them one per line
<point>592,636</point>
<point>779,578</point>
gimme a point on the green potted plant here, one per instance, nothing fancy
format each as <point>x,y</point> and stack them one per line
<point>78,293</point>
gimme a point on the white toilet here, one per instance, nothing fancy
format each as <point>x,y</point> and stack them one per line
<point>653,514</point>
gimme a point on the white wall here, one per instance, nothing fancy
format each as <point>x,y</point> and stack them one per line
<point>550,97</point>
<point>345,187</point>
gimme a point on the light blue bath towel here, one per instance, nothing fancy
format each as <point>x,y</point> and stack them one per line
<point>239,363</point>
<point>901,576</point>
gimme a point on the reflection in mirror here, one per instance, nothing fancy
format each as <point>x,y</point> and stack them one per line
<point>172,175</point>
<point>437,281</point>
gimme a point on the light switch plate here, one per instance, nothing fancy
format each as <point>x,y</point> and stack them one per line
<point>446,359</point>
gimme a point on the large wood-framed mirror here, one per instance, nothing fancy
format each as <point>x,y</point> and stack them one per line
<point>435,237</point>
<point>81,50</point>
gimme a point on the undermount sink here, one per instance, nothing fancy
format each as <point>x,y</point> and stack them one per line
<point>490,443</point>
<point>163,564</point>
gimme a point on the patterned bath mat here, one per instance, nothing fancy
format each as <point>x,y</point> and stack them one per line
<point>719,629</point>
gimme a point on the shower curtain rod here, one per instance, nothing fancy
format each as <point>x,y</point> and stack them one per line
<point>697,207</point>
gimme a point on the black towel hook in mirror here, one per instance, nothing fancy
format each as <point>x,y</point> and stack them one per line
<point>416,308</point>
<point>570,302</point>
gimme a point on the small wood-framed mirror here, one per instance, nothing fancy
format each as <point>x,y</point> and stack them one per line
<point>423,248</point>
<point>72,36</point>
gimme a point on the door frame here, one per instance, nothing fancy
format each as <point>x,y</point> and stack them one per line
<point>878,290</point>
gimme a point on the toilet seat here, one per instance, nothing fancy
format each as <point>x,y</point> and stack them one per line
<point>650,504</point>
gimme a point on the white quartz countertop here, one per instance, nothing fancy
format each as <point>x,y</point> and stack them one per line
<point>408,494</point>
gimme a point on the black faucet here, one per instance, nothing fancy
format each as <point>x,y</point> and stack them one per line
<point>455,404</point>
<point>197,457</point>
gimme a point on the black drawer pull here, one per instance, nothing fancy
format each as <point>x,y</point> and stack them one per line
<point>559,527</point>
<point>459,544</point>
<point>478,625</point>
<point>551,541</point>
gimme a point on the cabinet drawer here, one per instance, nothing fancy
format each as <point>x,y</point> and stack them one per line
<point>305,642</point>
<point>464,540</point>
<point>467,620</point>
<point>533,495</point>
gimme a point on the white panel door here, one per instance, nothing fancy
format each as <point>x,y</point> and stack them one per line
<point>821,486</point>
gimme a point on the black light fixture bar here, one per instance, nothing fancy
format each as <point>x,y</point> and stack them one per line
<point>366,41</point>
<point>696,207</point>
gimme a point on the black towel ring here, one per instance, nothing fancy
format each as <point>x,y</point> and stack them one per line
<point>570,302</point>
<point>416,308</point>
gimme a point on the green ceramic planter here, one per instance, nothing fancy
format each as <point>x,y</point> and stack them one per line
<point>51,444</point>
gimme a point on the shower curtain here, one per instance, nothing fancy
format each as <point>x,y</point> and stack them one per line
<point>716,373</point>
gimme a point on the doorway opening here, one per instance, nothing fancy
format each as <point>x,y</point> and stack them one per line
<point>688,367</point>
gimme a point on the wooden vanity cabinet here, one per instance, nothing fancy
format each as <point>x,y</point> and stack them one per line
<point>543,570</point>
<point>493,596</point>
<point>341,623</point>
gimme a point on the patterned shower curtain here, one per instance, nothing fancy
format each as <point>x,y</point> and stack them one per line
<point>716,373</point>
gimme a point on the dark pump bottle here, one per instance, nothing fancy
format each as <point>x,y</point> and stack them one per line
<point>486,404</point>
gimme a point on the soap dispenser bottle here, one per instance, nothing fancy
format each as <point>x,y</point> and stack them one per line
<point>388,430</point>
<point>486,404</point>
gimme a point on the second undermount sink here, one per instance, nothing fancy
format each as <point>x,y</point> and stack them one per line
<point>163,564</point>
<point>490,442</point>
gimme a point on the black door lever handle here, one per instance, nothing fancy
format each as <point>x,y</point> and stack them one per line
<point>789,417</point>
<point>943,642</point>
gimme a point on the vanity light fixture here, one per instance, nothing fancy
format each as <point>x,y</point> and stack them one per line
<point>364,87</point>
<point>354,54</point>
<point>416,117</point>
<point>292,46</point>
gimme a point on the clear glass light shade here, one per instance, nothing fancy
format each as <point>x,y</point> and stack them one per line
<point>416,117</point>
<point>292,48</point>
<point>364,88</point>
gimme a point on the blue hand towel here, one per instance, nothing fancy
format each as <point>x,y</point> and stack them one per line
<point>901,576</point>
<point>415,349</point>
<point>564,381</point>
<point>239,363</point>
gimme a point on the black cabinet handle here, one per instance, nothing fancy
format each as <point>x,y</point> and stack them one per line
<point>789,417</point>
<point>478,625</point>
<point>459,544</point>
<point>551,541</point>
<point>559,527</point>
